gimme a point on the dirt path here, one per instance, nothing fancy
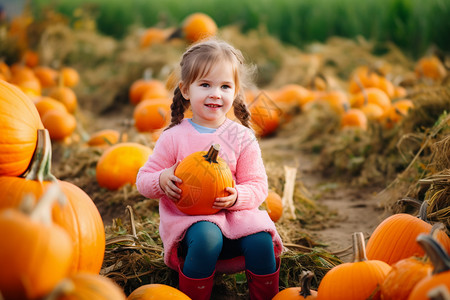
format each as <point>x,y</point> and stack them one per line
<point>355,208</point>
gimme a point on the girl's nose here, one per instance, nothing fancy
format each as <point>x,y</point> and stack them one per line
<point>215,94</point>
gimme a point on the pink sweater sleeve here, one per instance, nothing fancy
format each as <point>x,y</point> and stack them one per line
<point>251,178</point>
<point>147,180</point>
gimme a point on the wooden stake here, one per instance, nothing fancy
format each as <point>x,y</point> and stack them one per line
<point>288,193</point>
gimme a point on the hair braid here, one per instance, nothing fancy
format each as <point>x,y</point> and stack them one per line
<point>178,107</point>
<point>241,110</point>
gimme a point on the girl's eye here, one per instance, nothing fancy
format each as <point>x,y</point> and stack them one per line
<point>204,85</point>
<point>225,86</point>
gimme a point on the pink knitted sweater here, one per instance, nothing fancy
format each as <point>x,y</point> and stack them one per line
<point>240,149</point>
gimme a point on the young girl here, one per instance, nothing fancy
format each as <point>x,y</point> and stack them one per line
<point>239,236</point>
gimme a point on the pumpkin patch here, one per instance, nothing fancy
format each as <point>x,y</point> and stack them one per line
<point>353,130</point>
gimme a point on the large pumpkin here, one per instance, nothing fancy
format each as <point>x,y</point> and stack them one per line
<point>35,253</point>
<point>205,176</point>
<point>79,217</point>
<point>82,286</point>
<point>19,122</point>
<point>157,291</point>
<point>120,163</point>
<point>359,279</point>
<point>395,238</point>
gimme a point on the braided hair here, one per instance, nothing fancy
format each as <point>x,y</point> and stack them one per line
<point>197,62</point>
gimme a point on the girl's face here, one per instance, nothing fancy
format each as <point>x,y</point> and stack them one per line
<point>211,96</point>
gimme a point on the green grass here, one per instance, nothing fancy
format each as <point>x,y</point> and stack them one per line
<point>413,25</point>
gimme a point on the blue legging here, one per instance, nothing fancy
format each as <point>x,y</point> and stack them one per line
<point>204,244</point>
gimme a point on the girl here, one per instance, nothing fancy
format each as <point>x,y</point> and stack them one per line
<point>239,236</point>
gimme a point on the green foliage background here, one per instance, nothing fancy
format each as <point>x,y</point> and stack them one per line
<point>413,25</point>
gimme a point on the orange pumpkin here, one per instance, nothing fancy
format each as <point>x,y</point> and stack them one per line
<point>47,76</point>
<point>157,291</point>
<point>153,36</point>
<point>302,292</point>
<point>354,280</point>
<point>83,285</point>
<point>79,217</point>
<point>430,67</point>
<point>205,176</point>
<point>354,118</point>
<point>151,114</point>
<point>36,254</point>
<point>265,115</point>
<point>395,238</point>
<point>120,163</point>
<point>19,122</point>
<point>397,112</point>
<point>363,77</point>
<point>405,274</point>
<point>337,100</point>
<point>44,104</point>
<point>274,205</point>
<point>5,71</point>
<point>293,95</point>
<point>70,76</point>
<point>104,137</point>
<point>60,124</point>
<point>441,268</point>
<point>65,95</point>
<point>198,26</point>
<point>30,58</point>
<point>152,88</point>
<point>371,95</point>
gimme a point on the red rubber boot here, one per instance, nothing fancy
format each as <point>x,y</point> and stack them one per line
<point>196,289</point>
<point>263,287</point>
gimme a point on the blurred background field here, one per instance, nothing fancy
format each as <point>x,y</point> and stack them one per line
<point>413,25</point>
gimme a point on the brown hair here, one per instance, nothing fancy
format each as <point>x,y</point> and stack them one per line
<point>197,62</point>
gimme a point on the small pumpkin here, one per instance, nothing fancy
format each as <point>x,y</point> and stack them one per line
<point>65,95</point>
<point>359,279</point>
<point>79,216</point>
<point>151,114</point>
<point>198,26</point>
<point>105,137</point>
<point>405,274</point>
<point>44,104</point>
<point>69,76</point>
<point>274,205</point>
<point>153,88</point>
<point>156,291</point>
<point>120,163</point>
<point>48,77</point>
<point>19,123</point>
<point>441,268</point>
<point>152,36</point>
<point>35,253</point>
<point>265,115</point>
<point>354,118</point>
<point>82,285</point>
<point>395,238</point>
<point>430,67</point>
<point>299,293</point>
<point>60,124</point>
<point>371,95</point>
<point>205,176</point>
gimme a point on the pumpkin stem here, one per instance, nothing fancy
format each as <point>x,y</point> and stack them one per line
<point>305,283</point>
<point>212,154</point>
<point>423,211</point>
<point>439,293</point>
<point>359,247</point>
<point>42,212</point>
<point>40,165</point>
<point>66,286</point>
<point>438,256</point>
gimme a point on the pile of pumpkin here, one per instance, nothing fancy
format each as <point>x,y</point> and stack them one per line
<point>50,89</point>
<point>405,258</point>
<point>50,251</point>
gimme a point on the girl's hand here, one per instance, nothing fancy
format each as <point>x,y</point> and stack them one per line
<point>167,182</point>
<point>228,201</point>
